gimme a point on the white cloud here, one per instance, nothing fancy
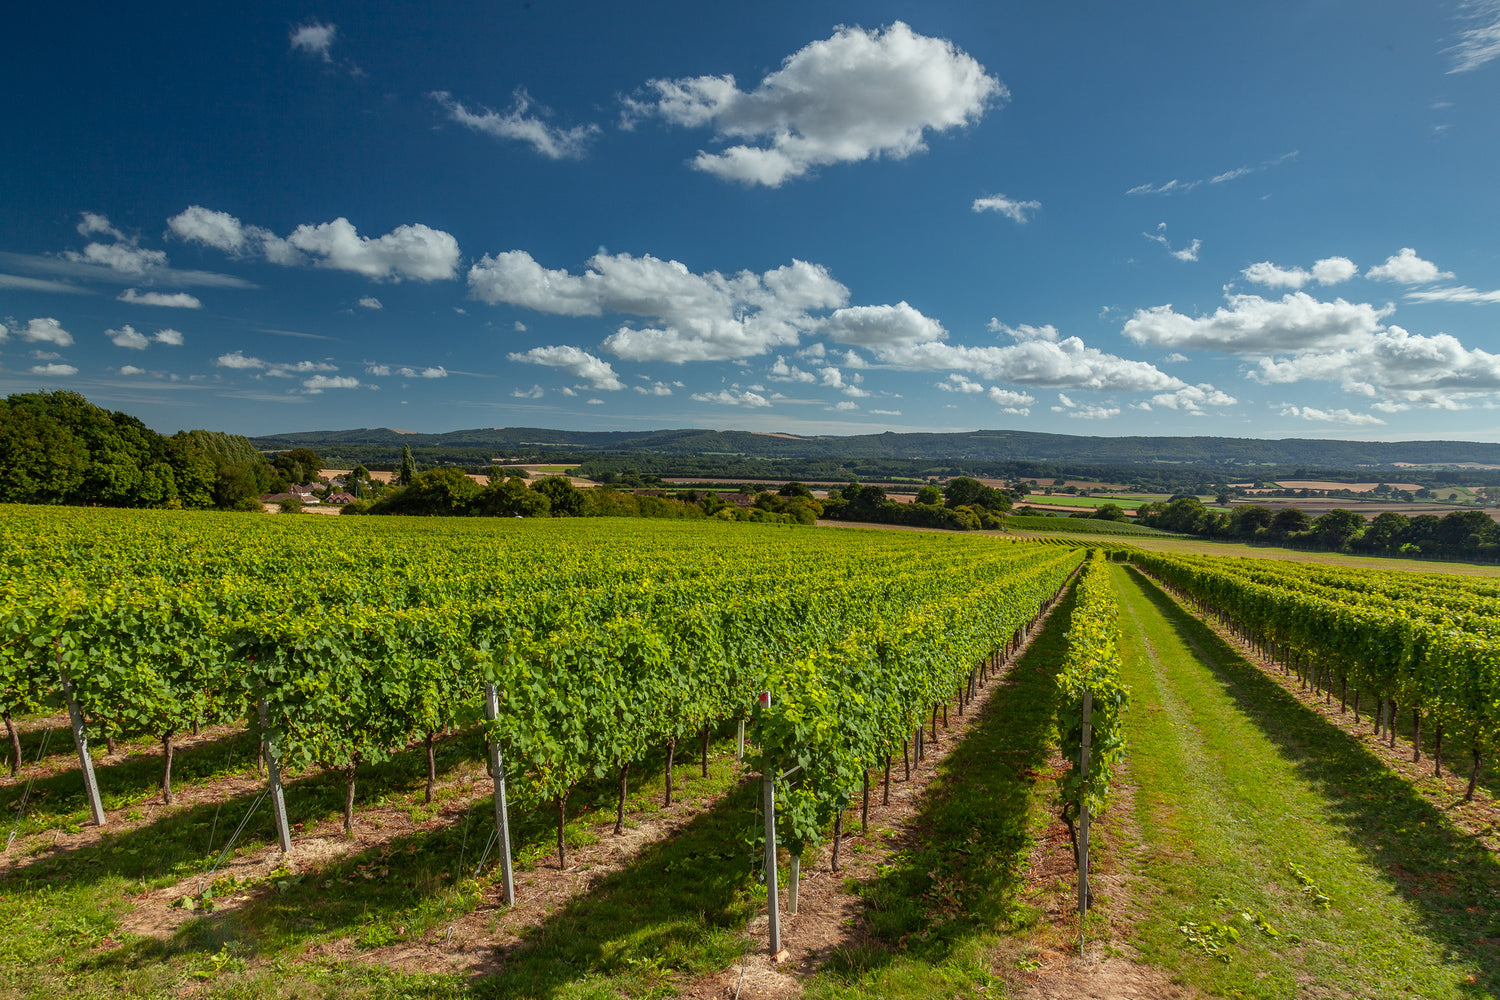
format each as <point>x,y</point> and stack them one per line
<point>783,372</point>
<point>318,383</point>
<point>409,251</point>
<point>594,402</point>
<point>175,300</point>
<point>314,38</point>
<point>384,371</point>
<point>843,407</point>
<point>128,336</point>
<point>1193,398</point>
<point>552,142</point>
<point>131,370</point>
<point>1397,365</point>
<point>168,336</point>
<point>412,251</point>
<point>1025,331</point>
<point>1010,401</point>
<point>54,370</point>
<point>370,302</point>
<point>1408,269</point>
<point>1187,254</point>
<point>885,413</point>
<point>43,330</point>
<point>857,95</point>
<point>578,363</point>
<point>958,383</point>
<point>519,327</point>
<point>1255,325</point>
<point>1480,43</point>
<point>1460,293</point>
<point>1011,209</point>
<point>535,392</point>
<point>727,397</point>
<point>1086,412</point>
<point>1333,270</point>
<point>696,317</point>
<point>1344,417</point>
<point>655,389</point>
<point>92,223</point>
<point>24,284</point>
<point>875,326</point>
<point>239,361</point>
<point>1066,363</point>
<point>1175,358</point>
<point>122,258</point>
<point>1175,186</point>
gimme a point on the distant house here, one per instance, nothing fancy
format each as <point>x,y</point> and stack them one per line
<point>339,498</point>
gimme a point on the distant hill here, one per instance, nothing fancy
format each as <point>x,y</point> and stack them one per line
<point>482,444</point>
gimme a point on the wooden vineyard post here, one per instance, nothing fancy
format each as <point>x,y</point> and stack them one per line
<point>502,814</point>
<point>273,777</point>
<point>791,892</point>
<point>1083,826</point>
<point>81,741</point>
<point>773,901</point>
<point>739,742</point>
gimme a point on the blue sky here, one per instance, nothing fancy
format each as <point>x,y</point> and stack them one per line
<point>1256,220</point>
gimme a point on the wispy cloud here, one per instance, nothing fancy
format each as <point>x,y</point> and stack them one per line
<point>1176,186</point>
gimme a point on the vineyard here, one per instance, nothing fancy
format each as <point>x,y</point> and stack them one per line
<point>566,662</point>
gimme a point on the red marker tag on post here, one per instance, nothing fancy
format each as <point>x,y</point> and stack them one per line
<point>764,698</point>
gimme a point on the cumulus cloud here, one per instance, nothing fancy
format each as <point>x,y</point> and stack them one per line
<point>843,407</point>
<point>1090,411</point>
<point>1479,43</point>
<point>239,361</point>
<point>1345,417</point>
<point>783,372</point>
<point>535,392</point>
<point>691,317</point>
<point>1255,325</point>
<point>174,300</point>
<point>384,371</point>
<point>552,142</point>
<point>1065,363</point>
<point>412,251</point>
<point>1009,401</point>
<point>168,336</point>
<point>958,383</point>
<point>370,302</point>
<point>1408,269</point>
<point>122,258</point>
<point>876,326</point>
<point>576,362</point>
<point>315,39</point>
<point>54,370</point>
<point>729,397</point>
<point>315,385</point>
<point>416,251</point>
<point>43,330</point>
<point>128,336</point>
<point>131,370</point>
<point>885,413</point>
<point>1329,271</point>
<point>1395,364</point>
<point>855,96</point>
<point>1014,210</point>
<point>1193,398</point>
<point>654,389</point>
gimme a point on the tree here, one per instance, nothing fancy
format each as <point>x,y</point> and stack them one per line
<point>1289,521</point>
<point>795,489</point>
<point>1335,528</point>
<point>1387,532</point>
<point>408,470</point>
<point>1249,520</point>
<point>434,493</point>
<point>565,499</point>
<point>929,495</point>
<point>1109,512</point>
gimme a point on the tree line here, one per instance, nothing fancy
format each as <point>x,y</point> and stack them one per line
<point>1460,534</point>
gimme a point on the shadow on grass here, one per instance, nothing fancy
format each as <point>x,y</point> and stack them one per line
<point>1452,881</point>
<point>962,871</point>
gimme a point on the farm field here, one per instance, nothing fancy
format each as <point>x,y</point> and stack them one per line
<point>960,886</point>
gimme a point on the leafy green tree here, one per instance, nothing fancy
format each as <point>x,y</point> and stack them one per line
<point>1290,521</point>
<point>564,499</point>
<point>1336,528</point>
<point>1109,512</point>
<point>1250,519</point>
<point>408,470</point>
<point>434,493</point>
<point>929,495</point>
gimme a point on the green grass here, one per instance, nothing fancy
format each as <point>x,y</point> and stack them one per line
<point>1068,500</point>
<point>1245,797</point>
<point>950,909</point>
<point>679,909</point>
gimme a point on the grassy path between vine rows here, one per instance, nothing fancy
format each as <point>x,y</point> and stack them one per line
<point>1250,806</point>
